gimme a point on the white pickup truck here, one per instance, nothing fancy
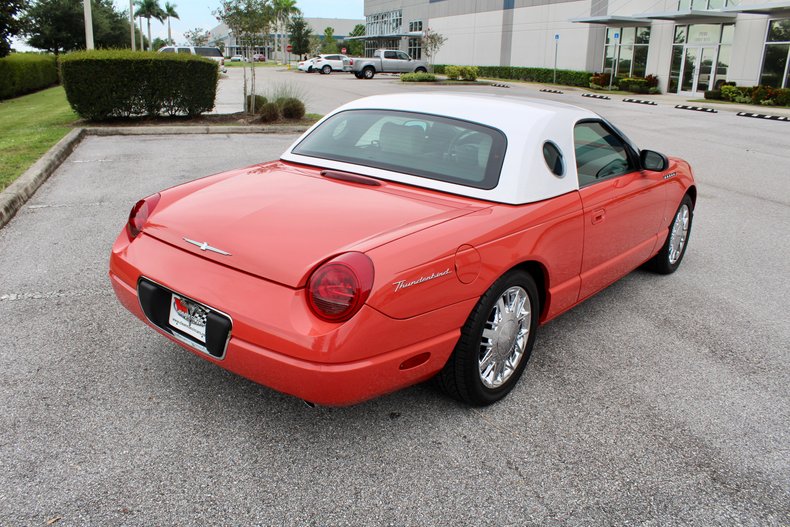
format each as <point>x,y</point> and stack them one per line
<point>386,61</point>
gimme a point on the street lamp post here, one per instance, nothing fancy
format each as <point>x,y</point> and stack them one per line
<point>131,24</point>
<point>86,4</point>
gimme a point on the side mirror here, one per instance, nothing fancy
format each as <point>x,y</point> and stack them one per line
<point>653,161</point>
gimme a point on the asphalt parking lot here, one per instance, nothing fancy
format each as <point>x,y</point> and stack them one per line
<point>661,401</point>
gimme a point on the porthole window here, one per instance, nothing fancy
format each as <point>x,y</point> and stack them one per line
<point>553,158</point>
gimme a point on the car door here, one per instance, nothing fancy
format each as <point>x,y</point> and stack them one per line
<point>336,62</point>
<point>389,62</point>
<point>403,62</point>
<point>623,205</point>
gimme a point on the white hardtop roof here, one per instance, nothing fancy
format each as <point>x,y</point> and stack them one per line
<point>527,124</point>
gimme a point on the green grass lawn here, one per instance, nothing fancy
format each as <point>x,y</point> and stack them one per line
<point>29,126</point>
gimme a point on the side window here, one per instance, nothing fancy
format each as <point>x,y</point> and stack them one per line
<point>402,56</point>
<point>184,50</point>
<point>167,50</point>
<point>390,55</point>
<point>599,153</point>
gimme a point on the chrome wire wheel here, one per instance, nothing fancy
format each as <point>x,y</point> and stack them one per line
<point>504,339</point>
<point>679,234</point>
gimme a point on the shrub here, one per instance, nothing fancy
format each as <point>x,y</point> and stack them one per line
<point>782,97</point>
<point>121,83</point>
<point>469,73</point>
<point>270,112</point>
<point>260,100</point>
<point>713,95</point>
<point>453,72</point>
<point>292,108</point>
<point>22,73</point>
<point>418,77</point>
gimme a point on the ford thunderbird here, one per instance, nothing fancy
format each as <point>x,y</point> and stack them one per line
<point>403,238</point>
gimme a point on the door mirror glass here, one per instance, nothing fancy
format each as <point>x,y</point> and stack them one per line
<point>653,161</point>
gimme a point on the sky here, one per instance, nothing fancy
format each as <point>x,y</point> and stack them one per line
<point>197,13</point>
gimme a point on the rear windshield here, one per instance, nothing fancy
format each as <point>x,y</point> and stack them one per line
<point>208,52</point>
<point>429,146</point>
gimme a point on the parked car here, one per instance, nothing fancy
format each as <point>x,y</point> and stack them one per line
<point>237,58</point>
<point>386,61</point>
<point>326,64</point>
<point>307,65</point>
<point>259,57</point>
<point>403,237</point>
<point>209,52</point>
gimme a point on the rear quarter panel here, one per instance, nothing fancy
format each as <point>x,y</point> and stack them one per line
<point>488,243</point>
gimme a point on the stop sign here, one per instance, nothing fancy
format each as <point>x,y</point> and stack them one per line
<point>343,50</point>
<point>289,48</point>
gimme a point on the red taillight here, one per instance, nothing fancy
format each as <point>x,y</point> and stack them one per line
<point>339,288</point>
<point>352,61</point>
<point>139,214</point>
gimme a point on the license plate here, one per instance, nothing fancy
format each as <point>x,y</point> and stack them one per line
<point>188,317</point>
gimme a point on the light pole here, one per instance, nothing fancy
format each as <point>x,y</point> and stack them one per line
<point>556,44</point>
<point>86,4</point>
<point>131,24</point>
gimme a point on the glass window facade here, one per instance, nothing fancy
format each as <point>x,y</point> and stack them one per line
<point>776,57</point>
<point>628,53</point>
<point>415,25</point>
<point>701,5</point>
<point>700,57</point>
<point>380,43</point>
<point>380,24</point>
<point>415,48</point>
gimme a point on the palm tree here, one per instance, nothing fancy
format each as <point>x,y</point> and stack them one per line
<point>149,9</point>
<point>170,11</point>
<point>283,11</point>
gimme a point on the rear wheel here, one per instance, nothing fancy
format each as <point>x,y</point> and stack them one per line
<point>326,70</point>
<point>357,74</point>
<point>495,342</point>
<point>368,73</point>
<point>671,254</point>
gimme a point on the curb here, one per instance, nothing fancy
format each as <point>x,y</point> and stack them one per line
<point>21,190</point>
<point>18,192</point>
<point>763,116</point>
<point>641,101</point>
<point>695,108</point>
<point>553,91</point>
<point>596,96</point>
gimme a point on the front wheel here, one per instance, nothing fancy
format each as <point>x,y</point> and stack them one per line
<point>495,342</point>
<point>310,69</point>
<point>671,254</point>
<point>421,70</point>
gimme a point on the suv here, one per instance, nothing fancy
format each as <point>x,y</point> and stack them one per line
<point>204,51</point>
<point>326,64</point>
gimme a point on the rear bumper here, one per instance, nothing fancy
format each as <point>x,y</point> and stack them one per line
<point>328,364</point>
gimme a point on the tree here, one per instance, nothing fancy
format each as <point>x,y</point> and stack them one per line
<point>300,35</point>
<point>219,43</point>
<point>149,9</point>
<point>170,12</point>
<point>355,48</point>
<point>249,21</point>
<point>10,23</point>
<point>197,36</point>
<point>59,25</point>
<point>329,44</point>
<point>159,43</point>
<point>431,43</point>
<point>283,10</point>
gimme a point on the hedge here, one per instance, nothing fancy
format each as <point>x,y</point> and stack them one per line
<point>764,95</point>
<point>545,75</point>
<point>117,83</point>
<point>22,73</point>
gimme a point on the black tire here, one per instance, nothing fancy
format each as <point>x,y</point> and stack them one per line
<point>310,69</point>
<point>669,257</point>
<point>420,70</point>
<point>326,70</point>
<point>369,72</point>
<point>461,376</point>
<point>357,75</point>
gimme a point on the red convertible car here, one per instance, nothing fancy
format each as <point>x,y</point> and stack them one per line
<point>401,238</point>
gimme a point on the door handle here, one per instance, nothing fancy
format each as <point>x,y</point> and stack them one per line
<point>598,216</point>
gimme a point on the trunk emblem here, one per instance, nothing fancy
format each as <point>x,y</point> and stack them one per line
<point>204,246</point>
